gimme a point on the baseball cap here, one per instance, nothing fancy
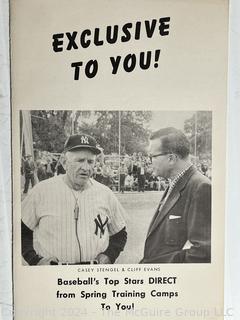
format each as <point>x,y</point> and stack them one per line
<point>81,141</point>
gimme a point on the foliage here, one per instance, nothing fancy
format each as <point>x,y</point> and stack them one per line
<point>106,130</point>
<point>51,128</point>
<point>48,133</point>
<point>200,133</point>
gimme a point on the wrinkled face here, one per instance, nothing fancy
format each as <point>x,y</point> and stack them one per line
<point>79,167</point>
<point>161,164</point>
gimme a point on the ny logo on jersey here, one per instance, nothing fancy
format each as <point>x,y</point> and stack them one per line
<point>100,225</point>
<point>84,140</point>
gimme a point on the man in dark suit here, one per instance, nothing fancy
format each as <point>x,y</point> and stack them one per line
<point>180,231</point>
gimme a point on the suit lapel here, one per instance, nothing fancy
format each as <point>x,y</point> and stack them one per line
<point>170,202</point>
<point>157,211</point>
<point>160,214</point>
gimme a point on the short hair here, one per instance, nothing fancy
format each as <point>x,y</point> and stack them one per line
<point>173,141</point>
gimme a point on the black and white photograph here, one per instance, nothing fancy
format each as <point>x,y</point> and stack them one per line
<point>115,187</point>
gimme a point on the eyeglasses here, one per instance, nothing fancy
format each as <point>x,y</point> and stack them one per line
<point>151,156</point>
<point>158,155</point>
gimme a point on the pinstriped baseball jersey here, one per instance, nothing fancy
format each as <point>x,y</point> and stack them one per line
<point>48,210</point>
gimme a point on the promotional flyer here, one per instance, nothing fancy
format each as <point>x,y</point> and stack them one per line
<point>118,147</point>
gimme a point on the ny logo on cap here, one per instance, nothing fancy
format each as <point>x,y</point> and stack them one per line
<point>84,140</point>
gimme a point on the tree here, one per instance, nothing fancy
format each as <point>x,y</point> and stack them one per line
<point>132,131</point>
<point>134,136</point>
<point>48,129</point>
<point>51,128</point>
<point>198,128</point>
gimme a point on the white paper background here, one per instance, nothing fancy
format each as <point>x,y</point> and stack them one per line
<point>5,163</point>
<point>232,258</point>
<point>232,252</point>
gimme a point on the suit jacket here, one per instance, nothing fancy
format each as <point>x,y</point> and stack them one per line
<point>184,218</point>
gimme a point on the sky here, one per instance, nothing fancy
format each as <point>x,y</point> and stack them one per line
<point>160,119</point>
<point>163,119</point>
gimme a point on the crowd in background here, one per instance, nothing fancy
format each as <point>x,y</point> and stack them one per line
<point>129,173</point>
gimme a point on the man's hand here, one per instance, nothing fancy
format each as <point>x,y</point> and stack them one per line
<point>103,259</point>
<point>48,261</point>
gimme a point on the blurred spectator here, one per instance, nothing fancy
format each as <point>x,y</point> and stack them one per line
<point>141,176</point>
<point>154,183</point>
<point>128,163</point>
<point>100,157</point>
<point>98,172</point>
<point>107,175</point>
<point>49,169</point>
<point>139,156</point>
<point>122,172</point>
<point>28,168</point>
<point>148,172</point>
<point>129,180</point>
<point>59,169</point>
<point>41,171</point>
<point>204,168</point>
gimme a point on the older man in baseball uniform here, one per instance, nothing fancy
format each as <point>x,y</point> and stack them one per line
<point>72,218</point>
